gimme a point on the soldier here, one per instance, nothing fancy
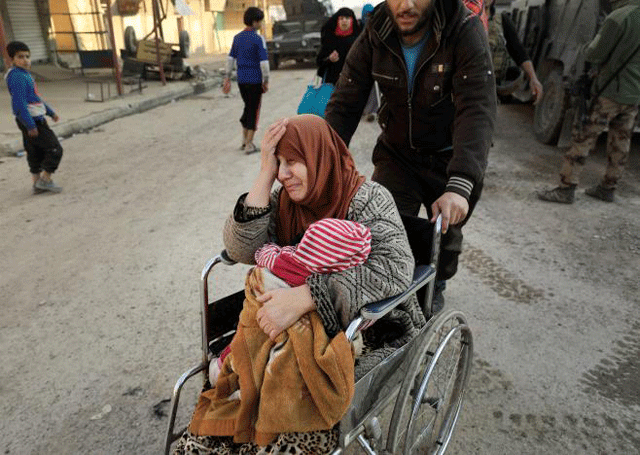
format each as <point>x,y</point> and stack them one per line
<point>616,52</point>
<point>506,47</point>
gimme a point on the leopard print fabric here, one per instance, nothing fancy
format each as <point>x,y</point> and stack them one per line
<point>312,443</point>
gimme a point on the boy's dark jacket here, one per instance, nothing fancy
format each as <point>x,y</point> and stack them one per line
<point>453,101</point>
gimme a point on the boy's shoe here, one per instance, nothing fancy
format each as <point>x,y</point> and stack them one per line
<point>559,194</point>
<point>47,185</point>
<point>242,147</point>
<point>250,148</point>
<point>37,190</point>
<point>600,192</point>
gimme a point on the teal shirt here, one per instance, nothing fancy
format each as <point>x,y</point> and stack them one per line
<point>411,55</point>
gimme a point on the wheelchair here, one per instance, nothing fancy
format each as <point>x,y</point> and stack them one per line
<point>423,382</point>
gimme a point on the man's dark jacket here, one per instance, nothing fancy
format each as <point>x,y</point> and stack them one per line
<point>452,101</point>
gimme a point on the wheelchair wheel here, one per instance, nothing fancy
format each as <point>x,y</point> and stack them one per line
<point>431,395</point>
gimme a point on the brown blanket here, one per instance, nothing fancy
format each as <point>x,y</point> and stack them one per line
<point>302,382</point>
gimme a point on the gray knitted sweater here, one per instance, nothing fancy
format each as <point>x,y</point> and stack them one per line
<point>340,296</point>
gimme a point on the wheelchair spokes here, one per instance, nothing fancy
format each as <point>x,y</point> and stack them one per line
<point>426,414</point>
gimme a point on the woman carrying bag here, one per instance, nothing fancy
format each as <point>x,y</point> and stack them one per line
<point>337,36</point>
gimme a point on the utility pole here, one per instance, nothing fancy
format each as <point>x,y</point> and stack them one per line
<point>156,26</point>
<point>3,43</point>
<point>114,51</point>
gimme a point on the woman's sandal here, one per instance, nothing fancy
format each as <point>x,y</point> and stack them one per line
<point>250,148</point>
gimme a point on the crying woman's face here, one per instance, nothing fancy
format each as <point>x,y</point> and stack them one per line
<point>294,178</point>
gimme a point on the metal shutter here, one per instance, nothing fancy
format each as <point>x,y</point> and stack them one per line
<point>25,24</point>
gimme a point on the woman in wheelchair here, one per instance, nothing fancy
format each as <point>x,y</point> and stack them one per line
<point>268,414</point>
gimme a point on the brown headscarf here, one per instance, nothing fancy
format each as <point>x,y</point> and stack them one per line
<point>332,176</point>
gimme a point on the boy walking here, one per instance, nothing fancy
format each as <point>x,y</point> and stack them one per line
<point>249,52</point>
<point>41,144</point>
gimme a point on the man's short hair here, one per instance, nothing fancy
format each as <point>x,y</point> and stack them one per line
<point>251,15</point>
<point>16,46</point>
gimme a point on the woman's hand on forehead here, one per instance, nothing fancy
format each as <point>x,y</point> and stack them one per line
<point>260,190</point>
<point>269,162</point>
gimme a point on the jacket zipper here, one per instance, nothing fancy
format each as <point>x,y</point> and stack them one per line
<point>410,94</point>
<point>390,78</point>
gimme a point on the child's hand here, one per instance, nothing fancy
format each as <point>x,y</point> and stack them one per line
<point>226,86</point>
<point>33,132</point>
<point>55,117</point>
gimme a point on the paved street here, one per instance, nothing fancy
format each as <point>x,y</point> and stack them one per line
<point>99,285</point>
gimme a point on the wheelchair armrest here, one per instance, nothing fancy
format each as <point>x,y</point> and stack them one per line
<point>376,310</point>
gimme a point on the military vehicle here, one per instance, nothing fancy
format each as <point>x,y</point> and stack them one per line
<point>295,39</point>
<point>554,33</point>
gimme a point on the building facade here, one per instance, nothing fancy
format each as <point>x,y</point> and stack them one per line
<point>59,28</point>
<point>25,20</point>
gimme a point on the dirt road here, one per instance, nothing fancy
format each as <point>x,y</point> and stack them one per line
<point>99,286</point>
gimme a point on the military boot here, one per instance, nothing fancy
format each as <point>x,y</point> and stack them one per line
<point>600,192</point>
<point>563,195</point>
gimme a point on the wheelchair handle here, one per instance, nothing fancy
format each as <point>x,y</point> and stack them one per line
<point>224,258</point>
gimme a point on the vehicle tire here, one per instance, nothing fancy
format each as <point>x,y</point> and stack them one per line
<point>130,40</point>
<point>549,113</point>
<point>430,398</point>
<point>274,62</point>
<point>183,39</point>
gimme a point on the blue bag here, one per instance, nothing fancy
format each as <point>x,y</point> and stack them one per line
<point>315,99</point>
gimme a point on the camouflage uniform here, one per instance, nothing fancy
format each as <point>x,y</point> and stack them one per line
<point>615,53</point>
<point>498,45</point>
<point>620,118</point>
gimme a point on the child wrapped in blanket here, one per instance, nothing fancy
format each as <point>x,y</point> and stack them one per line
<point>328,245</point>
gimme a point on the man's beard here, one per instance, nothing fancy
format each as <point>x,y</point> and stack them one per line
<point>422,22</point>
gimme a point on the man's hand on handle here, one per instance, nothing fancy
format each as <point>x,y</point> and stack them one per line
<point>453,207</point>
